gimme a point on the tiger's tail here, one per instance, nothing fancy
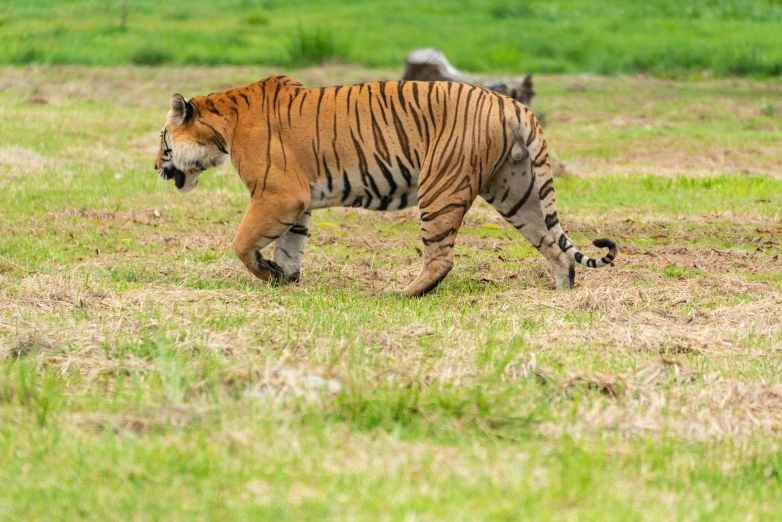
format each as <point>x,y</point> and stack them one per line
<point>529,133</point>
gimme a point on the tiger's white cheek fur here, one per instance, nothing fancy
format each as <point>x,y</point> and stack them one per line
<point>193,159</point>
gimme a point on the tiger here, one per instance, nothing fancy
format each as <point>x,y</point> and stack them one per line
<point>375,145</point>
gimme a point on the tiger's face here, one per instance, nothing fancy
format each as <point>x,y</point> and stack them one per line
<point>188,145</point>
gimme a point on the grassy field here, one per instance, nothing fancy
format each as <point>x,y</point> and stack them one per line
<point>145,375</point>
<point>663,37</point>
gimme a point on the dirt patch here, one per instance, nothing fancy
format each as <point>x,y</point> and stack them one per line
<point>153,217</point>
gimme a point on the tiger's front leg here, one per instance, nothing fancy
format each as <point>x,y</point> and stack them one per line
<point>289,249</point>
<point>266,220</point>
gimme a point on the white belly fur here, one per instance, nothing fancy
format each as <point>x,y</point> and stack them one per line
<point>349,190</point>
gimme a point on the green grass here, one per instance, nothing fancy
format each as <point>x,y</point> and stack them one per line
<point>662,37</point>
<point>316,47</point>
<point>139,361</point>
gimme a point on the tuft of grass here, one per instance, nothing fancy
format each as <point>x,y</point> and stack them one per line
<point>505,10</point>
<point>256,19</point>
<point>316,46</point>
<point>150,55</point>
<point>26,55</point>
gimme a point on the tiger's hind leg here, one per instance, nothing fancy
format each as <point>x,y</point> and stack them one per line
<point>445,194</point>
<point>512,191</point>
<point>439,225</point>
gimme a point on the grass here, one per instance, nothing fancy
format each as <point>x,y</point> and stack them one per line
<point>150,56</point>
<point>316,47</point>
<point>144,374</point>
<point>670,38</point>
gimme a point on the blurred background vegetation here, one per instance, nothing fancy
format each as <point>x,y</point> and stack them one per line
<point>661,37</point>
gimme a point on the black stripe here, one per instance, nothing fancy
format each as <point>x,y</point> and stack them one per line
<point>382,105</point>
<point>546,189</point>
<point>429,103</point>
<point>368,201</point>
<point>301,104</point>
<point>533,132</point>
<point>328,174</point>
<point>380,142</point>
<point>366,179</point>
<point>268,149</point>
<point>387,174</point>
<point>523,199</point>
<point>405,171</point>
<point>401,94</point>
<point>503,125</point>
<point>417,123</point>
<point>552,220</point>
<point>300,230</point>
<point>401,134</point>
<point>210,106</point>
<point>426,216</point>
<point>290,106</point>
<point>217,138</point>
<point>315,154</point>
<point>317,119</point>
<point>438,237</point>
<point>505,196</point>
<point>542,156</point>
<point>345,186</point>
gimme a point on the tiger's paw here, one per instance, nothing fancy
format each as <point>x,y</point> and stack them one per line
<point>275,273</point>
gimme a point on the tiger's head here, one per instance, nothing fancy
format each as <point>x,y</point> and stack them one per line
<point>189,144</point>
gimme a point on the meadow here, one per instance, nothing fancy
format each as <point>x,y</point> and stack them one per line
<point>145,375</point>
<point>671,38</point>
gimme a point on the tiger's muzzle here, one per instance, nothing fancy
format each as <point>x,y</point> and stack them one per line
<point>173,172</point>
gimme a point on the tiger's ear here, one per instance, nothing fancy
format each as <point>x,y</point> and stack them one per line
<point>181,110</point>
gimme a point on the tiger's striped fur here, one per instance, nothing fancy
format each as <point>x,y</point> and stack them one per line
<point>380,146</point>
